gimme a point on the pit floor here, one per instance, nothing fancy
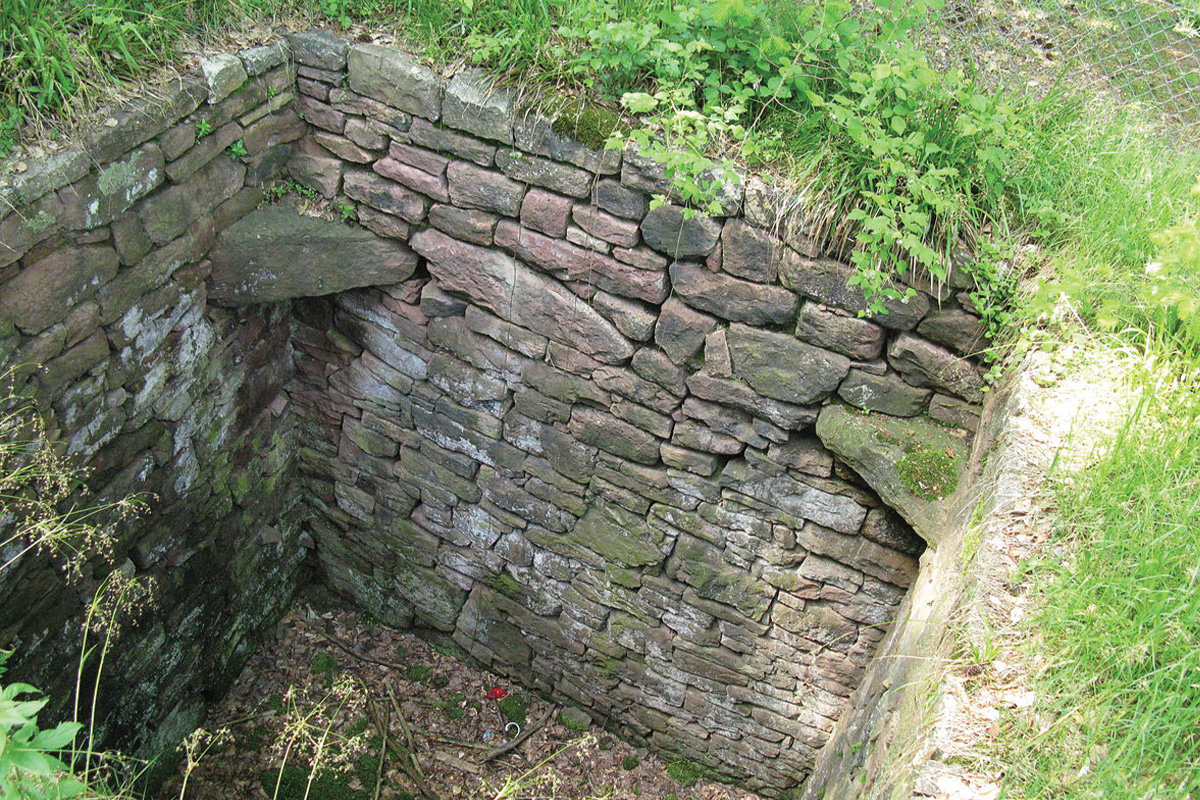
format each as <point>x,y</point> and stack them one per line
<point>330,680</point>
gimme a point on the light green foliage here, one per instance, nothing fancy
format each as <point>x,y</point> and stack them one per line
<point>29,762</point>
<point>918,155</point>
<point>345,209</point>
<point>203,128</point>
<point>237,149</point>
<point>1118,622</point>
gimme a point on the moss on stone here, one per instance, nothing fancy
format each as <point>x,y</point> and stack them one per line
<point>927,473</point>
<point>506,585</point>
<point>587,123</point>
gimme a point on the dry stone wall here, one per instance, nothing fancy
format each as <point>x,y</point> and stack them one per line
<point>104,305</point>
<point>579,438</point>
<point>514,405</point>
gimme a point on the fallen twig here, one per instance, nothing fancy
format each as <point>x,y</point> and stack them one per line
<point>518,740</point>
<point>404,756</point>
<point>383,748</point>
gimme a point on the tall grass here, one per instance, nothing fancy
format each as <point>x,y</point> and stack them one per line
<point>1119,624</point>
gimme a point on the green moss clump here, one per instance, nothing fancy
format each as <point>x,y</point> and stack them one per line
<point>506,585</point>
<point>630,763</point>
<point>587,123</point>
<point>418,673</point>
<point>323,663</point>
<point>293,785</point>
<point>515,708</point>
<point>686,772</point>
<point>929,474</point>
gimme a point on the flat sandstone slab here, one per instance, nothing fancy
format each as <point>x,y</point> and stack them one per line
<point>277,254</point>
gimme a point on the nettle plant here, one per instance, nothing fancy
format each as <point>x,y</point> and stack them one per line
<point>914,158</point>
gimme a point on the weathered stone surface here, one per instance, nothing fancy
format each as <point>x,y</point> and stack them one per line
<point>475,104</point>
<point>44,292</point>
<point>385,195</point>
<point>888,394</point>
<point>382,224</point>
<point>749,252</point>
<point>101,198</point>
<point>515,293</point>
<point>874,446</point>
<point>311,165</point>
<point>470,225</point>
<point>728,421</point>
<point>784,368</point>
<point>615,230</point>
<point>319,49</point>
<point>631,318</point>
<point>224,74</point>
<point>955,329</point>
<point>568,261</point>
<point>954,411</point>
<point>545,173</point>
<point>600,429</point>
<point>842,333</point>
<point>204,151</point>
<point>614,198</point>
<point>276,254</point>
<point>535,134</point>
<point>474,187</point>
<point>394,78</point>
<point>165,214</point>
<point>804,454</point>
<point>795,497</point>
<point>739,395</point>
<point>654,365</point>
<point>700,565</point>
<point>883,526</point>
<point>426,134</point>
<point>690,460</point>
<point>681,330</point>
<point>828,282</point>
<point>275,129</point>
<point>669,230</point>
<point>618,536</point>
<point>546,212</point>
<point>258,60</point>
<point>926,364</point>
<point>731,298</point>
<point>343,148</point>
<point>432,186</point>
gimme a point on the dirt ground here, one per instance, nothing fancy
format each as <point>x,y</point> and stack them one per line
<point>323,690</point>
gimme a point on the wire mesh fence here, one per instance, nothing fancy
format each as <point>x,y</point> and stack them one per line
<point>1121,51</point>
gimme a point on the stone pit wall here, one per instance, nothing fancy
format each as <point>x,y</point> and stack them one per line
<point>513,404</point>
<point>103,299</point>
<point>579,438</point>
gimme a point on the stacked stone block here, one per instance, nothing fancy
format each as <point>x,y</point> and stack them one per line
<point>104,309</point>
<point>579,438</point>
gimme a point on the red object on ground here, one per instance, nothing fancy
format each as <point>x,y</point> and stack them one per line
<point>496,693</point>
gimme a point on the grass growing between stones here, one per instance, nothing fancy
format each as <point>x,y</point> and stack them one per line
<point>1118,593</point>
